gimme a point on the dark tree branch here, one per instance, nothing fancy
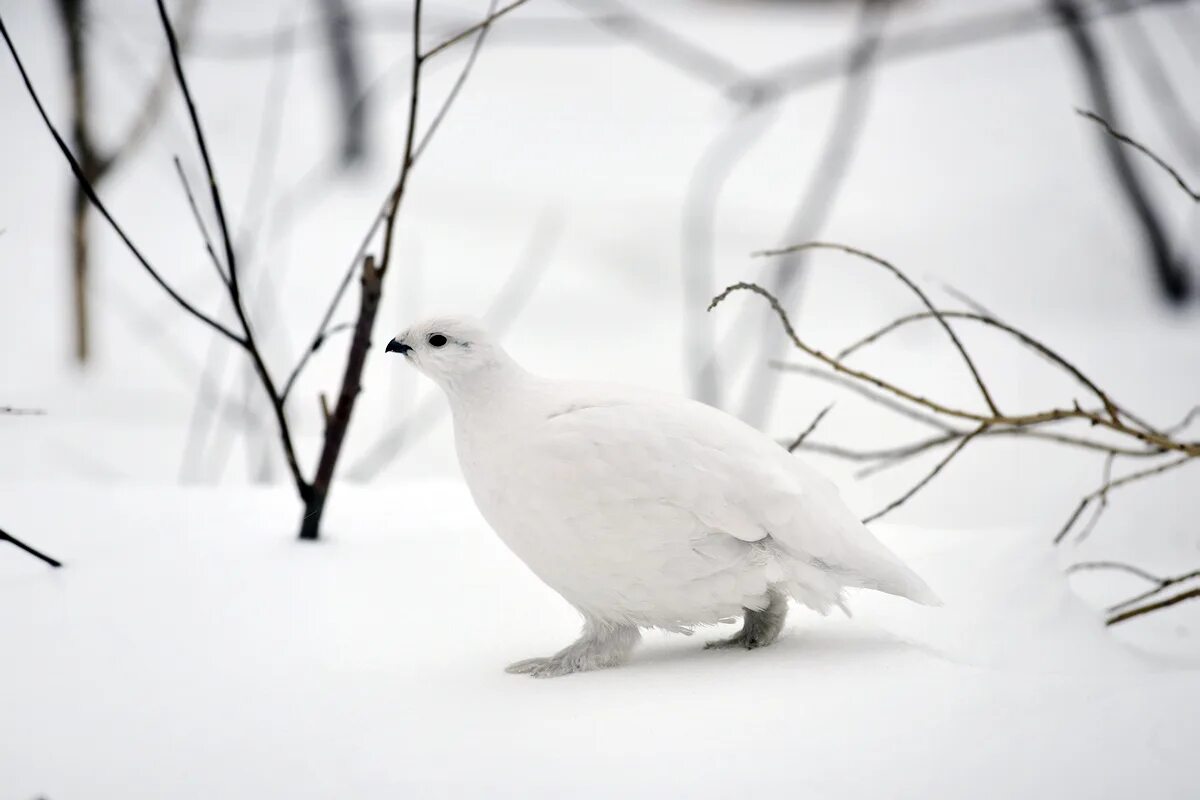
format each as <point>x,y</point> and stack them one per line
<point>341,33</point>
<point>247,341</point>
<point>5,537</point>
<point>89,192</point>
<point>1172,275</point>
<point>199,220</point>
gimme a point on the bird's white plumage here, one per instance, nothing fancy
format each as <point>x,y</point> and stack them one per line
<point>644,509</point>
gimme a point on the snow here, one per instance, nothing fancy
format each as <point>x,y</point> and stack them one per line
<point>190,649</point>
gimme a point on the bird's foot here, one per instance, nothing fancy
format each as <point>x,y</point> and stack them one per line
<point>548,667</point>
<point>742,640</point>
<point>759,628</point>
<point>600,647</point>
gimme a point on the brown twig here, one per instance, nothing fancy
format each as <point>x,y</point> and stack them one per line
<point>1111,417</point>
<point>1098,418</point>
<point>1141,148</point>
<point>1158,605</point>
<point>1108,485</point>
<point>812,426</point>
<point>1130,608</point>
<point>991,321</point>
<point>913,288</point>
<point>933,473</point>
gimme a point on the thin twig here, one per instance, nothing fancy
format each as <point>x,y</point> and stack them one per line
<point>912,287</point>
<point>1124,480</point>
<point>89,191</point>
<point>452,95</point>
<point>1102,505</point>
<point>1141,148</point>
<point>208,245</point>
<point>812,426</point>
<point>247,341</point>
<point>5,537</point>
<point>865,391</point>
<point>991,321</point>
<point>488,20</point>
<point>1155,439</point>
<point>933,473</point>
<point>1155,606</point>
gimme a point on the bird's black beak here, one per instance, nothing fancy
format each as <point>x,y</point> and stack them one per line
<point>396,346</point>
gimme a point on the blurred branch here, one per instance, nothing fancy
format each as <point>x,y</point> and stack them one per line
<point>1141,148</point>
<point>819,197</point>
<point>1166,103</point>
<point>5,537</point>
<point>520,285</point>
<point>341,27</point>
<point>810,70</point>
<point>22,412</point>
<point>1171,274</point>
<point>662,43</point>
<point>90,193</point>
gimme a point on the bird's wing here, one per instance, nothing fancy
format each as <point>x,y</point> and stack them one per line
<point>685,454</point>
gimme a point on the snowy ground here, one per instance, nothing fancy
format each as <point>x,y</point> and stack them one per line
<point>191,649</point>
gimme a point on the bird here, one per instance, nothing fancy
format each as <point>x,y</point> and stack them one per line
<point>644,510</point>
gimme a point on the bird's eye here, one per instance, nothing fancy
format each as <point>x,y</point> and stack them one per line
<point>437,340</point>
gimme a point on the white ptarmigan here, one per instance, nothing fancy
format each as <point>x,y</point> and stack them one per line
<point>644,510</point>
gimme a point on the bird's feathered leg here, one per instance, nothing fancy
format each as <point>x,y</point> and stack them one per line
<point>602,644</point>
<point>760,628</point>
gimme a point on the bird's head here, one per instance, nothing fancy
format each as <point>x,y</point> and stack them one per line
<point>448,349</point>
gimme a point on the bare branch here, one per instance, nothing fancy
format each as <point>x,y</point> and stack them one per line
<point>1160,584</point>
<point>5,537</point>
<point>248,342</point>
<point>208,245</point>
<point>991,321</point>
<point>89,191</point>
<point>912,287</point>
<point>1124,480</point>
<point>812,426</point>
<point>458,83</point>
<point>1155,606</point>
<point>1141,148</point>
<point>933,473</point>
<point>486,21</point>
